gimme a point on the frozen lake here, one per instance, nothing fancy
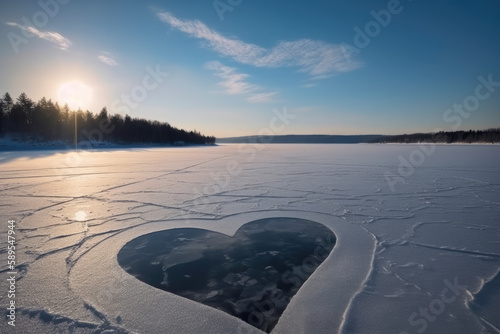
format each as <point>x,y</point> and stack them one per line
<point>417,228</point>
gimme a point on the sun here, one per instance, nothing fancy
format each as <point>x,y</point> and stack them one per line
<point>75,94</point>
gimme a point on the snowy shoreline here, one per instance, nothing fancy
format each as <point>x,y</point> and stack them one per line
<point>13,146</point>
<point>9,144</point>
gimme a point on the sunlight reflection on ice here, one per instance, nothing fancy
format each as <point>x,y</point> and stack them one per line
<point>80,216</point>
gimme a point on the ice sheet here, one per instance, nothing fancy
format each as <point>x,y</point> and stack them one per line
<point>398,249</point>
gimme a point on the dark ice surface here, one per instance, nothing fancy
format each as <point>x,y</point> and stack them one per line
<point>486,303</point>
<point>252,275</point>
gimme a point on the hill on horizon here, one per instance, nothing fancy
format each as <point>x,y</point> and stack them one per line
<point>447,137</point>
<point>301,139</point>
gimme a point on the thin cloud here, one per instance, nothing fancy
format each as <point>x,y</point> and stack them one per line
<point>238,50</point>
<point>262,97</point>
<point>235,83</point>
<point>316,58</point>
<point>107,59</point>
<point>51,36</point>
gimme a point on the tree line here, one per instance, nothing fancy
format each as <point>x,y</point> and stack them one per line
<point>471,136</point>
<point>46,121</point>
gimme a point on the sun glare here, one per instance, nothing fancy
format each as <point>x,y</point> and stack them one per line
<point>80,216</point>
<point>75,94</point>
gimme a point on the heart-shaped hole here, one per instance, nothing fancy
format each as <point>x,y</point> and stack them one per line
<point>252,275</point>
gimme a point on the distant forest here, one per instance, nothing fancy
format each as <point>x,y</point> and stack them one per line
<point>480,136</point>
<point>47,121</point>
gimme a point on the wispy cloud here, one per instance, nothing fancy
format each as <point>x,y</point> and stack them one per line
<point>107,58</point>
<point>240,51</point>
<point>62,42</point>
<point>235,83</point>
<point>317,58</point>
<point>262,97</point>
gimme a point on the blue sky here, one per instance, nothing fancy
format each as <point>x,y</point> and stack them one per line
<point>223,66</point>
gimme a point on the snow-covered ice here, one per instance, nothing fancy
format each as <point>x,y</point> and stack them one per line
<point>418,241</point>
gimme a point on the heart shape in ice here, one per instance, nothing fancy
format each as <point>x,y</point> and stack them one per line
<point>252,275</point>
